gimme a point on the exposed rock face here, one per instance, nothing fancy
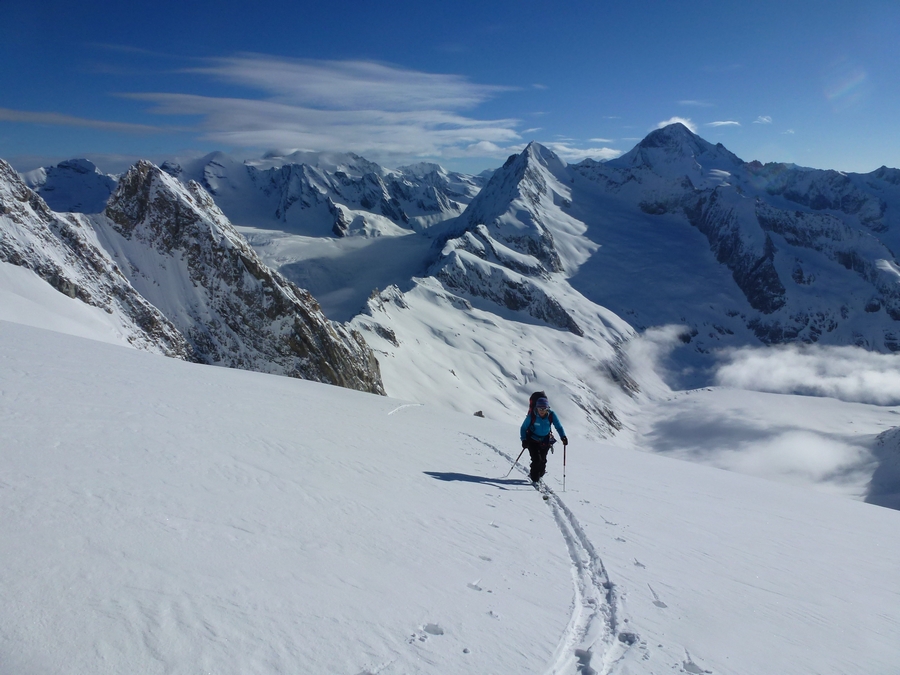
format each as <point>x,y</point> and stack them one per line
<point>186,257</point>
<point>63,250</point>
<point>751,260</point>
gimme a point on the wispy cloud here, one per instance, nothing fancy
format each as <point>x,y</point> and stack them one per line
<point>763,119</point>
<point>600,140</point>
<point>368,107</point>
<point>724,123</point>
<point>570,153</point>
<point>846,373</point>
<point>686,121</point>
<point>56,119</point>
<point>695,104</point>
<point>348,85</point>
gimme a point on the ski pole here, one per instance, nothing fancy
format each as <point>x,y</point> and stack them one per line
<point>514,464</point>
<point>565,445</point>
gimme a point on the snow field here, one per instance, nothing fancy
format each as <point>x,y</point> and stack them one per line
<point>165,517</point>
<point>188,522</point>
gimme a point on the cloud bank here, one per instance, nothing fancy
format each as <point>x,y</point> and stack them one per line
<point>845,373</point>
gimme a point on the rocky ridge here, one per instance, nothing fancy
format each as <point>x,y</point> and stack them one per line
<point>63,250</point>
<point>186,257</point>
<point>179,280</point>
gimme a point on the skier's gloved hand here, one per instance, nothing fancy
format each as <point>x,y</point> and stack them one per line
<point>524,444</point>
<point>564,440</point>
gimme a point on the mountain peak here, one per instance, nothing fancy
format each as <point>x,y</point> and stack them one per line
<point>74,185</point>
<point>78,165</point>
<point>672,144</point>
<point>667,136</point>
<point>534,155</point>
<point>676,138</point>
<point>544,155</point>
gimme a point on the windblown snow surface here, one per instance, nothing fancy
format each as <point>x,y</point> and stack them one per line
<point>166,517</point>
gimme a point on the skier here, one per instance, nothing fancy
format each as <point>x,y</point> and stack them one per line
<point>537,437</point>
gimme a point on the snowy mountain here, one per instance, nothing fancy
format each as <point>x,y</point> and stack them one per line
<point>167,264</point>
<point>63,251</point>
<point>677,231</point>
<point>809,252</point>
<point>500,280</point>
<point>75,185</point>
<point>550,276</point>
<point>330,194</point>
<point>162,516</point>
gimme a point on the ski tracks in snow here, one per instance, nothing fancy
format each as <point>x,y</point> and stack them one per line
<point>592,643</point>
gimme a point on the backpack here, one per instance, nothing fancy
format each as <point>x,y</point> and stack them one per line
<point>533,399</point>
<point>532,413</point>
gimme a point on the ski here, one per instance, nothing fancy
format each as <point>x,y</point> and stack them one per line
<point>541,488</point>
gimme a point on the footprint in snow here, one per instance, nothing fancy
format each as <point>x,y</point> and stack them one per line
<point>428,629</point>
<point>638,563</point>
<point>474,585</point>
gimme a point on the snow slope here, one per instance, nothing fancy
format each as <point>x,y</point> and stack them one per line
<point>27,299</point>
<point>167,517</point>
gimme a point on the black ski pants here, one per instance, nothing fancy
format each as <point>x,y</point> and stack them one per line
<point>538,449</point>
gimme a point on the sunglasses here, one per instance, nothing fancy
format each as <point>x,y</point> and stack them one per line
<point>542,408</point>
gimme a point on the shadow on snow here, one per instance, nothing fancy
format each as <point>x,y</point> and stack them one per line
<point>502,483</point>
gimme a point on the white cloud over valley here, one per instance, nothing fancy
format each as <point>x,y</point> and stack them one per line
<point>846,373</point>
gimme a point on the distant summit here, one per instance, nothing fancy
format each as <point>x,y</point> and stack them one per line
<point>676,146</point>
<point>75,185</point>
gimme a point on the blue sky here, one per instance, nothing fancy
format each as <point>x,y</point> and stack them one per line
<point>463,83</point>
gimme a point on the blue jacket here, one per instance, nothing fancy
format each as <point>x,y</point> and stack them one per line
<point>541,428</point>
